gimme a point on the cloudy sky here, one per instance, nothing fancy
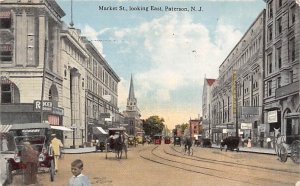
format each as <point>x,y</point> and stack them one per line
<point>168,52</point>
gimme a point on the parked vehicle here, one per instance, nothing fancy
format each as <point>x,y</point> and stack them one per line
<point>231,142</point>
<point>115,142</point>
<point>37,135</point>
<point>177,141</point>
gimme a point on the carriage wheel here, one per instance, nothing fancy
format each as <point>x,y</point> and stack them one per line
<point>9,176</point>
<point>283,154</point>
<point>52,170</point>
<point>295,151</point>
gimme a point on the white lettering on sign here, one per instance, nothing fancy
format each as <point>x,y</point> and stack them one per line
<point>31,130</point>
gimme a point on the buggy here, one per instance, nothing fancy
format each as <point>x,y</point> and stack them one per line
<point>206,142</point>
<point>37,136</point>
<point>177,141</point>
<point>287,145</point>
<point>116,142</point>
<point>231,142</point>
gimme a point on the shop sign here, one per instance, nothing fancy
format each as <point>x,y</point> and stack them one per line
<point>47,105</point>
<point>246,125</point>
<point>272,116</point>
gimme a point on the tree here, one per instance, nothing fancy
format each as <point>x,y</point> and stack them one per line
<point>184,126</point>
<point>153,125</point>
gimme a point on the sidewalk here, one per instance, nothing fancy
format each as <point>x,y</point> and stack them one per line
<point>253,150</point>
<point>79,150</point>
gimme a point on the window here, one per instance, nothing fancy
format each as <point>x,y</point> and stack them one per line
<point>269,63</point>
<point>291,76</point>
<point>278,52</point>
<point>269,88</point>
<point>278,82</point>
<point>279,26</point>
<point>6,52</point>
<point>270,8</point>
<point>270,33</point>
<point>5,20</point>
<point>292,49</point>
<point>6,93</point>
<point>279,3</point>
<point>292,15</point>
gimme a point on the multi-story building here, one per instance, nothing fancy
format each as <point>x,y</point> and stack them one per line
<point>73,57</point>
<point>43,60</point>
<point>206,103</point>
<point>195,128</point>
<point>239,86</point>
<point>101,93</point>
<point>30,63</point>
<point>132,113</point>
<point>281,83</point>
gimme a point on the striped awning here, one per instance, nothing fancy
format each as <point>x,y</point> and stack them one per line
<point>5,128</point>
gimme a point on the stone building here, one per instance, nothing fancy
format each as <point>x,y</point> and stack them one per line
<point>30,62</point>
<point>73,57</point>
<point>237,95</point>
<point>132,115</point>
<point>101,94</point>
<point>206,111</point>
<point>281,83</point>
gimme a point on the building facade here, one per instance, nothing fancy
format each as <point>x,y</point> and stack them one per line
<point>206,103</point>
<point>101,94</point>
<point>237,94</point>
<point>30,63</point>
<point>281,83</point>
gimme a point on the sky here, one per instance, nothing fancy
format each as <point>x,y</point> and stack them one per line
<point>168,53</point>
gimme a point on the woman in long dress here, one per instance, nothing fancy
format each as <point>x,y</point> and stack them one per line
<point>249,145</point>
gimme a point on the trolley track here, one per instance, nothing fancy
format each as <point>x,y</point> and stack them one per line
<point>227,163</point>
<point>187,163</point>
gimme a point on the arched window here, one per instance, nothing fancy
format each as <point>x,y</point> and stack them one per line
<point>53,93</point>
<point>9,92</point>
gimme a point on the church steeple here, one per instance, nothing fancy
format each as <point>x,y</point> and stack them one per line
<point>131,100</point>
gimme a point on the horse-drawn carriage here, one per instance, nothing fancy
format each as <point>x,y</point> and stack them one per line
<point>116,142</point>
<point>231,142</point>
<point>177,140</point>
<point>287,145</point>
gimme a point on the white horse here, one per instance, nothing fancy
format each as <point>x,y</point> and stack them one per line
<point>281,147</point>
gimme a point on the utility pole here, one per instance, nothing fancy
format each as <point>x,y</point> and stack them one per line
<point>209,121</point>
<point>43,81</point>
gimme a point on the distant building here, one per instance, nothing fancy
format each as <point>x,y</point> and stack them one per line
<point>132,113</point>
<point>206,104</point>
<point>195,128</point>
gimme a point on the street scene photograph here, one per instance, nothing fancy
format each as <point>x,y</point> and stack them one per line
<point>147,93</point>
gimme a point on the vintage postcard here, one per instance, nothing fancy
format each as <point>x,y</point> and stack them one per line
<point>158,92</point>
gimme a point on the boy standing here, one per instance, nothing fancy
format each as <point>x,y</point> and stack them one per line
<point>78,179</point>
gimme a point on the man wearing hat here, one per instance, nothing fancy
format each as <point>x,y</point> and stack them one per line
<point>56,145</point>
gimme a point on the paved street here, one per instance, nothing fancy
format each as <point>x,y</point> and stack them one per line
<point>167,165</point>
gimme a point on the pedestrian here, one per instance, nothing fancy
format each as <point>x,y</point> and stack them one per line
<point>78,179</point>
<point>249,145</point>
<point>269,142</point>
<point>56,147</point>
<point>30,159</point>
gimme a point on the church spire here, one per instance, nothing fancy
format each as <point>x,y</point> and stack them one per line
<point>131,90</point>
<point>131,100</point>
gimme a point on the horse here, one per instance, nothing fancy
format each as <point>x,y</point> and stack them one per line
<point>280,145</point>
<point>187,144</point>
<point>120,145</point>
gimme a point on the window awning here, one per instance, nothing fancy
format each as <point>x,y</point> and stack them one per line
<point>101,130</point>
<point>63,128</point>
<point>5,128</point>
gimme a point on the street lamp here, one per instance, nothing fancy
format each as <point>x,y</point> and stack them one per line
<point>82,128</point>
<point>73,127</point>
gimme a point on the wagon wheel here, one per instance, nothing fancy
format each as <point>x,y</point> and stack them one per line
<point>106,149</point>
<point>52,170</point>
<point>295,151</point>
<point>9,176</point>
<point>283,153</point>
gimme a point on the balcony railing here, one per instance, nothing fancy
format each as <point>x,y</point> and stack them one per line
<point>287,90</point>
